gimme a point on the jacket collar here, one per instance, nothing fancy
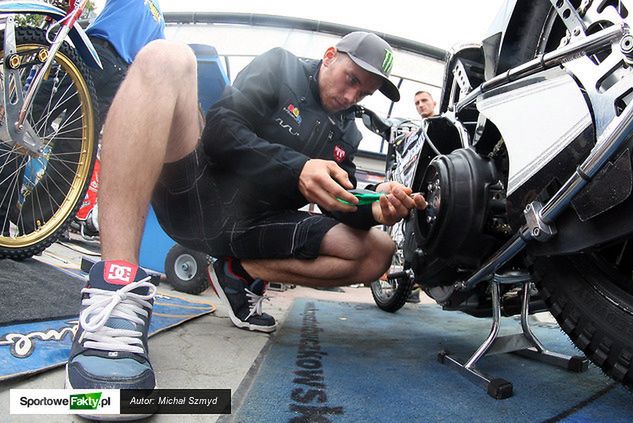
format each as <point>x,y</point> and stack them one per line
<point>312,68</point>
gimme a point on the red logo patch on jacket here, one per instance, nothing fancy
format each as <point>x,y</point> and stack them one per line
<point>339,153</point>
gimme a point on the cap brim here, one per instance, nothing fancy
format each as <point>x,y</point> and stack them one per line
<point>388,88</point>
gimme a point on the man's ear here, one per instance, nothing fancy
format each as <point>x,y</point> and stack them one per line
<point>330,56</point>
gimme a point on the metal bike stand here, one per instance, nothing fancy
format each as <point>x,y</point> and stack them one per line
<point>525,344</point>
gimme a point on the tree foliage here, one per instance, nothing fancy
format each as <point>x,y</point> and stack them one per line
<point>37,20</point>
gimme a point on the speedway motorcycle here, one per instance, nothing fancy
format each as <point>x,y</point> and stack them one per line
<point>48,124</point>
<point>535,211</point>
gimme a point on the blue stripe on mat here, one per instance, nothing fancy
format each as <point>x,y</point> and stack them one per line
<point>347,362</point>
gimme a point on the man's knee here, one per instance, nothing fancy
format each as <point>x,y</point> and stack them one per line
<point>383,244</point>
<point>368,253</point>
<point>380,250</point>
<point>166,59</point>
<point>374,256</point>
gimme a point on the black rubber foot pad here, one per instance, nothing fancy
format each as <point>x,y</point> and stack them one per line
<point>500,389</point>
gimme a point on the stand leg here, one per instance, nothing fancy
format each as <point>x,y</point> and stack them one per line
<point>497,388</point>
<point>494,331</point>
<point>524,344</point>
<point>538,352</point>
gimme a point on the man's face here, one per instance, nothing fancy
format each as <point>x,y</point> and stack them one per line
<point>425,105</point>
<point>342,83</point>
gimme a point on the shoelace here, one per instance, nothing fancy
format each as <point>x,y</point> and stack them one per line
<point>103,304</point>
<point>255,303</point>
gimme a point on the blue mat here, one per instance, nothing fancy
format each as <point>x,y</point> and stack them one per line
<point>29,348</point>
<point>347,362</point>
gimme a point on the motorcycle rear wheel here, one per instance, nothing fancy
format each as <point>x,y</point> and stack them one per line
<point>39,195</point>
<point>592,300</point>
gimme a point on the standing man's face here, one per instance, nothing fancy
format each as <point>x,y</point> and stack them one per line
<point>425,105</point>
<point>342,83</point>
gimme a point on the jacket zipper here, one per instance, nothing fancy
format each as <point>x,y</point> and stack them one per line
<point>313,138</point>
<point>326,145</point>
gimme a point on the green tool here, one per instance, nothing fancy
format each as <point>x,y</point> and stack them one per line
<point>364,196</point>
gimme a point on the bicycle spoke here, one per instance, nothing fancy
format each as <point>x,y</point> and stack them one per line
<point>63,177</point>
<point>47,113</point>
<point>18,169</point>
<point>13,184</point>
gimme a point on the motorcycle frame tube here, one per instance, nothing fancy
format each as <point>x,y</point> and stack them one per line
<point>471,51</point>
<point>557,57</point>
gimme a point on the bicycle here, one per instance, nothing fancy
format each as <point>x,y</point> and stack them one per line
<point>48,125</point>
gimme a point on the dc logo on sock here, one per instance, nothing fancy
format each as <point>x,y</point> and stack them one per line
<point>119,272</point>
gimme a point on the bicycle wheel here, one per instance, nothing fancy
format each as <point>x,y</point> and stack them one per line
<point>391,294</point>
<point>41,192</point>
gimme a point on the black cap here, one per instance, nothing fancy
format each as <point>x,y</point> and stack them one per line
<point>373,54</point>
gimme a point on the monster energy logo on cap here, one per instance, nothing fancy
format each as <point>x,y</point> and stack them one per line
<point>373,54</point>
<point>387,63</point>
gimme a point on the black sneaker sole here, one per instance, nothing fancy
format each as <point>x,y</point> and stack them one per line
<point>234,319</point>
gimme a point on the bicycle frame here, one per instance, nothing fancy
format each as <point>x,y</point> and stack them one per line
<point>17,100</point>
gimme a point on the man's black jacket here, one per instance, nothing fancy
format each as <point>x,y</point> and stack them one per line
<point>265,127</point>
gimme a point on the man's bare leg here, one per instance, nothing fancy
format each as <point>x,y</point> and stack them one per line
<point>154,119</point>
<point>347,256</point>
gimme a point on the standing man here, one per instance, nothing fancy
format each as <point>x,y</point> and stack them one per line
<point>281,137</point>
<point>424,104</point>
<point>118,33</point>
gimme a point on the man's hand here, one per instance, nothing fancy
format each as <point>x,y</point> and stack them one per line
<point>397,204</point>
<point>322,182</point>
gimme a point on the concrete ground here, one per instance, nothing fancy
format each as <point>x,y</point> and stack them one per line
<point>207,352</point>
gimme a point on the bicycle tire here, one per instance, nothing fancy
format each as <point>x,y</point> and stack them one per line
<point>39,196</point>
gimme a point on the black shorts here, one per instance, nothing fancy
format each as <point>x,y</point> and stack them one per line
<point>190,209</point>
<point>107,80</point>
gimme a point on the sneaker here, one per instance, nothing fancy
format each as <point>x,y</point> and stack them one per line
<point>109,350</point>
<point>243,298</point>
<point>414,296</point>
